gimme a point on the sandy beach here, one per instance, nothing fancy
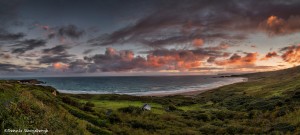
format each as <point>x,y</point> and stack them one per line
<point>197,91</point>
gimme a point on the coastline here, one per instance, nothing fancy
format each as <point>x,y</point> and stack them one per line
<point>185,92</point>
<point>194,92</point>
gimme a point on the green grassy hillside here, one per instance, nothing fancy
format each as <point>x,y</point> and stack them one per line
<point>268,104</point>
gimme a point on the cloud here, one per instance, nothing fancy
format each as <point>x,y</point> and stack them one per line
<point>237,60</point>
<point>59,49</point>
<point>114,60</point>
<point>57,58</point>
<point>50,59</point>
<point>206,69</point>
<point>157,59</point>
<point>291,54</point>
<point>78,66</point>
<point>278,26</point>
<point>198,42</point>
<point>11,36</point>
<point>270,55</point>
<point>70,31</point>
<point>5,55</point>
<point>87,51</point>
<point>6,67</point>
<point>27,45</point>
<point>208,20</point>
<point>60,66</point>
<point>62,32</point>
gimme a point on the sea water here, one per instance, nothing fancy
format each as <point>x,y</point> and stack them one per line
<point>136,85</point>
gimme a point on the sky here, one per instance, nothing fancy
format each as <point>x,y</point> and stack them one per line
<point>147,37</point>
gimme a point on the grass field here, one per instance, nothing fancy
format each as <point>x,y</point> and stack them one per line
<point>268,104</point>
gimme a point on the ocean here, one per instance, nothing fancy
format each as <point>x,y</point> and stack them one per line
<point>135,85</point>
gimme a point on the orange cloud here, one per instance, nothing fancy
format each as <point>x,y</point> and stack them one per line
<point>238,61</point>
<point>175,61</point>
<point>278,26</point>
<point>274,21</point>
<point>60,66</point>
<point>198,42</point>
<point>270,55</point>
<point>291,54</point>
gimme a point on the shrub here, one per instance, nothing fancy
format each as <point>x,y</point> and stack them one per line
<point>208,129</point>
<point>147,125</point>
<point>265,104</point>
<point>44,97</point>
<point>202,116</point>
<point>171,108</point>
<point>234,129</point>
<point>89,104</point>
<point>90,118</point>
<point>131,110</point>
<point>97,131</point>
<point>87,108</point>
<point>114,118</point>
<point>296,95</point>
<point>222,115</point>
<point>71,101</point>
<point>283,127</point>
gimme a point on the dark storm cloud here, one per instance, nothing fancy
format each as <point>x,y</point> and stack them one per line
<point>27,45</point>
<point>206,19</point>
<point>11,36</point>
<point>9,67</point>
<point>61,32</point>
<point>87,51</point>
<point>59,49</point>
<point>78,66</point>
<point>56,54</point>
<point>50,59</point>
<point>70,31</point>
<point>114,60</point>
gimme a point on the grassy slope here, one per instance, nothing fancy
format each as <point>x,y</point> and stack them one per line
<point>268,103</point>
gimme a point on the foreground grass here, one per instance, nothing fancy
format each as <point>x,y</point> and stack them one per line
<point>268,104</point>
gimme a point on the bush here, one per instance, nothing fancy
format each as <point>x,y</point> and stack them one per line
<point>44,97</point>
<point>283,127</point>
<point>208,129</point>
<point>147,125</point>
<point>71,101</point>
<point>171,108</point>
<point>296,95</point>
<point>266,104</point>
<point>89,104</point>
<point>87,108</point>
<point>114,118</point>
<point>90,118</point>
<point>202,116</point>
<point>234,129</point>
<point>131,110</point>
<point>222,115</point>
<point>97,131</point>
